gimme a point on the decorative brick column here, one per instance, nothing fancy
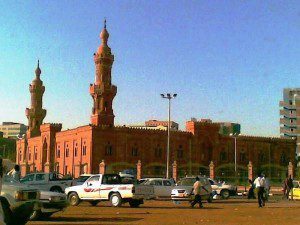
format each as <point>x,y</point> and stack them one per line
<point>291,170</point>
<point>212,170</point>
<point>174,171</point>
<point>77,170</point>
<point>102,167</point>
<point>24,168</point>
<point>139,170</point>
<point>250,171</point>
<point>47,167</point>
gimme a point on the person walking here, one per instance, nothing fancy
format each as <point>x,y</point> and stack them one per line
<point>196,190</point>
<point>290,185</point>
<point>15,173</point>
<point>251,190</point>
<point>259,183</point>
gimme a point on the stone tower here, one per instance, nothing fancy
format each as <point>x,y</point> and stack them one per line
<point>102,91</point>
<point>36,113</point>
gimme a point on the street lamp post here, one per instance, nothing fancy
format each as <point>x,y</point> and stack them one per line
<point>234,135</point>
<point>169,97</point>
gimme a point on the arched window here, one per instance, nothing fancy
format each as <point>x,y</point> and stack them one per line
<point>134,150</point>
<point>283,159</point>
<point>180,152</point>
<point>84,148</point>
<point>75,150</point>
<point>67,151</point>
<point>58,151</point>
<point>262,157</point>
<point>223,156</point>
<point>108,149</point>
<point>158,151</point>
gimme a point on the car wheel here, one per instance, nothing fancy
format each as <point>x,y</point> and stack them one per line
<point>224,194</point>
<point>56,189</point>
<point>73,199</point>
<point>94,203</point>
<point>134,203</point>
<point>116,200</point>
<point>35,215</point>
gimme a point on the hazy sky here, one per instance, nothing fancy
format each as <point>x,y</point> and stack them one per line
<point>226,60</point>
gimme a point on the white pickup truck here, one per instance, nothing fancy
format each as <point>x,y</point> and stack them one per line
<point>47,181</point>
<point>109,187</point>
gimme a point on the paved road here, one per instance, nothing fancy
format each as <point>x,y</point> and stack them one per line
<point>235,211</point>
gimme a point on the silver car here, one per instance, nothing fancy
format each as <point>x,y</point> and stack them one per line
<point>223,189</point>
<point>183,191</point>
<point>162,187</point>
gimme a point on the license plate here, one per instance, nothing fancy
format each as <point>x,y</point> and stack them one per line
<point>181,195</point>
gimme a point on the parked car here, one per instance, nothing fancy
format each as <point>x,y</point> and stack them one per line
<point>108,187</point>
<point>183,189</point>
<point>48,181</point>
<point>18,201</point>
<point>223,189</point>
<point>162,187</point>
<point>52,202</point>
<point>81,179</point>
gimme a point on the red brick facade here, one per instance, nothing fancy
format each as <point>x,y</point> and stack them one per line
<point>81,150</point>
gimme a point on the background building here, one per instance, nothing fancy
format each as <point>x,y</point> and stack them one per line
<point>13,130</point>
<point>289,112</point>
<point>159,123</point>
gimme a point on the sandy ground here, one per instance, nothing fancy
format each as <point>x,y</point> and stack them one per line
<point>232,211</point>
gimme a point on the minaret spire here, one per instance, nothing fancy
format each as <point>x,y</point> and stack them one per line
<point>102,91</point>
<point>36,113</point>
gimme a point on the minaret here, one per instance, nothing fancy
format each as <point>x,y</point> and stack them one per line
<point>102,91</point>
<point>36,113</point>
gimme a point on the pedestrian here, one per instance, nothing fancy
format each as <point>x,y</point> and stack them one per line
<point>15,173</point>
<point>290,185</point>
<point>251,190</point>
<point>259,183</point>
<point>196,190</point>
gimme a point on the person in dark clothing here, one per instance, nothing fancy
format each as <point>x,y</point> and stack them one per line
<point>251,190</point>
<point>289,185</point>
<point>196,190</point>
<point>259,183</point>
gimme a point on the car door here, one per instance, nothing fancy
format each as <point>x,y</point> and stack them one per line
<point>40,182</point>
<point>158,187</point>
<point>205,190</point>
<point>167,188</point>
<point>92,188</point>
<point>28,179</point>
<point>109,181</point>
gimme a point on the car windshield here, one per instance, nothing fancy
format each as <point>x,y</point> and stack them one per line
<point>82,178</point>
<point>186,182</point>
